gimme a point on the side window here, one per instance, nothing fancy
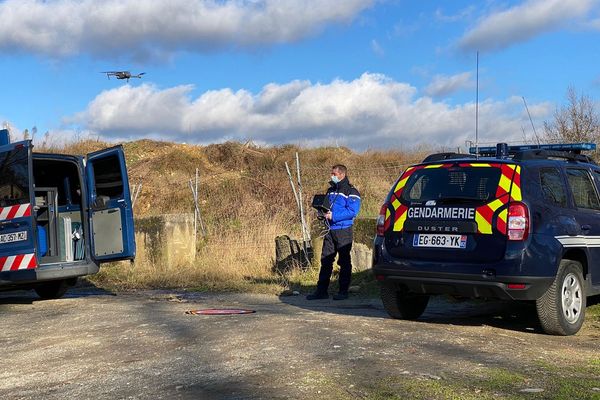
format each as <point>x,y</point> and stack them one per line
<point>107,176</point>
<point>583,189</point>
<point>553,187</point>
<point>14,177</point>
<point>597,178</point>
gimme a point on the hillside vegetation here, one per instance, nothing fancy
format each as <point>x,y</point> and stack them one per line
<point>246,201</point>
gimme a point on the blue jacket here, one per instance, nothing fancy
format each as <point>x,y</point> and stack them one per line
<point>344,202</point>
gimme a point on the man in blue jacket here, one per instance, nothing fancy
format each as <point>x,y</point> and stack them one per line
<point>344,205</point>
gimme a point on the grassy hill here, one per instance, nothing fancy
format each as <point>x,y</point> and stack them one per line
<point>245,200</point>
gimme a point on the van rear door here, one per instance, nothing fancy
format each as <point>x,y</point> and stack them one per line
<point>17,226</point>
<point>109,202</point>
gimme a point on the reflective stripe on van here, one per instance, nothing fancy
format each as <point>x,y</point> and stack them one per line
<point>18,262</point>
<point>18,211</point>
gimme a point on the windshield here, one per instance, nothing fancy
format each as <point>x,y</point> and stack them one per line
<point>455,184</point>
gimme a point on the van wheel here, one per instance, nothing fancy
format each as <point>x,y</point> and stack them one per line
<point>561,309</point>
<point>54,289</point>
<point>401,305</point>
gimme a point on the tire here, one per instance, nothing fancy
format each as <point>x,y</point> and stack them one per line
<point>561,310</point>
<point>53,289</point>
<point>401,305</point>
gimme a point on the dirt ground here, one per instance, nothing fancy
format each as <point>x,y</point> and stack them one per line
<point>94,344</point>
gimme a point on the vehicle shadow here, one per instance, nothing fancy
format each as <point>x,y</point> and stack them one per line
<point>507,315</point>
<point>83,288</point>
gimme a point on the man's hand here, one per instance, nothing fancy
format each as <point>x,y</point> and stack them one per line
<point>329,215</point>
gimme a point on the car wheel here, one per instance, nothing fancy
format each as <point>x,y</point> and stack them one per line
<point>53,289</point>
<point>561,309</point>
<point>401,305</point>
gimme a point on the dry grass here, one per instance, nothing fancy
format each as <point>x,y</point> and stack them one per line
<point>246,201</point>
<point>240,259</point>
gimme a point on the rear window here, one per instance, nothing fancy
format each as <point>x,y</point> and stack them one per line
<point>14,177</point>
<point>456,183</point>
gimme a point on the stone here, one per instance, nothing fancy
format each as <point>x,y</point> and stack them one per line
<point>531,390</point>
<point>354,289</point>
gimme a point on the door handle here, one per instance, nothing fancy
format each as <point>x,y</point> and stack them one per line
<point>586,228</point>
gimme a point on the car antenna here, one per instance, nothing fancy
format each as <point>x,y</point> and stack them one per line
<point>477,109</point>
<point>530,120</point>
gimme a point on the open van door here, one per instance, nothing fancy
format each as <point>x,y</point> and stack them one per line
<point>109,203</point>
<point>17,227</point>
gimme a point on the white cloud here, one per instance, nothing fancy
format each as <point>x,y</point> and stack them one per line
<point>522,22</point>
<point>460,16</point>
<point>370,111</point>
<point>442,85</point>
<point>155,28</point>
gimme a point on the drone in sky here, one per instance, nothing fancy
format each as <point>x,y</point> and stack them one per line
<point>122,74</point>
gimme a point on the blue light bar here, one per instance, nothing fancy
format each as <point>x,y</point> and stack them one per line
<point>574,147</point>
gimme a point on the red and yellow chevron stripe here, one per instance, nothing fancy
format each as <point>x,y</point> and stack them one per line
<point>509,189</point>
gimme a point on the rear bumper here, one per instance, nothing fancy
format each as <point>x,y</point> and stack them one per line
<point>24,278</point>
<point>532,265</point>
<point>466,285</point>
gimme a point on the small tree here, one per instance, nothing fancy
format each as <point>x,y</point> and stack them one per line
<point>577,121</point>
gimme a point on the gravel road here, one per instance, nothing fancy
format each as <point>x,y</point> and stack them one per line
<point>94,344</point>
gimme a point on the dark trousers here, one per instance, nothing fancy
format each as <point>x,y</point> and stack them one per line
<point>336,242</point>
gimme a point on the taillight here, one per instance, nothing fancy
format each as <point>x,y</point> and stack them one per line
<point>381,227</point>
<point>518,221</point>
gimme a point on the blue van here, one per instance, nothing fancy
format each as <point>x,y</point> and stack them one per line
<point>61,216</point>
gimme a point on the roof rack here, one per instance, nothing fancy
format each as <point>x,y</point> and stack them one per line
<point>446,156</point>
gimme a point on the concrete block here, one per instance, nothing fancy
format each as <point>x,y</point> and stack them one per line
<point>166,240</point>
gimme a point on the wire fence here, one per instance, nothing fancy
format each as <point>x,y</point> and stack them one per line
<point>244,210</point>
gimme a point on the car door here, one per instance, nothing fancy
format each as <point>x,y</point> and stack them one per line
<point>109,204</point>
<point>595,265</point>
<point>18,237</point>
<point>587,202</point>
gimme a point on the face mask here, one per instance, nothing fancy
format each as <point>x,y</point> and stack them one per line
<point>335,179</point>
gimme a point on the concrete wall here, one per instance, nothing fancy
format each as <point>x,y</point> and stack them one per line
<point>364,233</point>
<point>165,240</point>
<point>362,249</point>
<point>168,240</point>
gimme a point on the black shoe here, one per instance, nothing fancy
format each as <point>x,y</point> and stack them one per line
<point>340,296</point>
<point>317,296</point>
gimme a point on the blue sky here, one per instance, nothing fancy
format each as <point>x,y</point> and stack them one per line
<point>362,73</point>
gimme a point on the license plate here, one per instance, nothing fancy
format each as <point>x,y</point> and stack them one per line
<point>444,241</point>
<point>13,237</point>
